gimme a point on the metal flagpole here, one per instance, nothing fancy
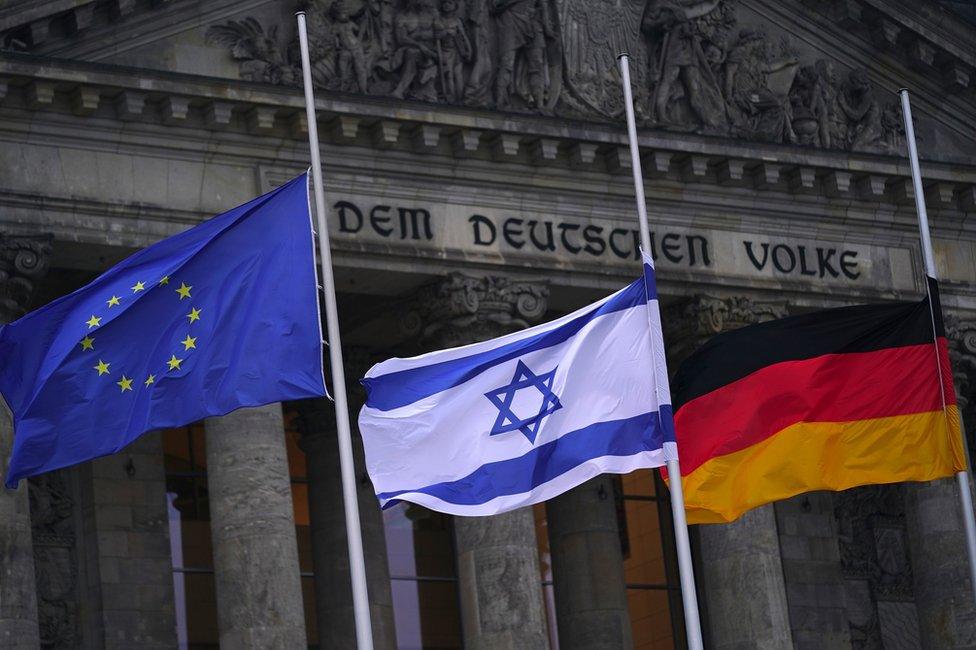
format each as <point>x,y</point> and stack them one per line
<point>357,565</point>
<point>686,570</point>
<point>962,478</point>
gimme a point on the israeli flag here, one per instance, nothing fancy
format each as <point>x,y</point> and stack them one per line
<point>494,426</point>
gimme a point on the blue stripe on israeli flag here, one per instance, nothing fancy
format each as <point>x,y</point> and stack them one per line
<point>490,427</point>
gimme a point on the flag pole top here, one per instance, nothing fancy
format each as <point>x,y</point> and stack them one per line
<point>623,54</point>
<point>902,90</point>
<point>300,13</point>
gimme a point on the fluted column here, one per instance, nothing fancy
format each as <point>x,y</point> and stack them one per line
<point>498,563</point>
<point>330,553</point>
<point>22,262</point>
<point>943,589</point>
<point>259,593</point>
<point>741,568</point>
<point>588,568</point>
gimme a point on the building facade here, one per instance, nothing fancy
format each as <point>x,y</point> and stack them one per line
<point>479,181</point>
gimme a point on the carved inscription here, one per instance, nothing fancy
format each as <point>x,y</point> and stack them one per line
<point>441,229</point>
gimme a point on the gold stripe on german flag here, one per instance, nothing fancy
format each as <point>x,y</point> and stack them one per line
<point>821,401</point>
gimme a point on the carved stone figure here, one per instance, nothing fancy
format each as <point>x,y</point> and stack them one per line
<point>757,106</point>
<point>679,64</point>
<point>862,112</point>
<point>453,50</point>
<point>523,32</point>
<point>416,55</point>
<point>351,56</point>
<point>257,50</point>
<point>704,71</point>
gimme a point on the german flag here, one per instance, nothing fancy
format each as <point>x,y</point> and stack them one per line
<point>821,401</point>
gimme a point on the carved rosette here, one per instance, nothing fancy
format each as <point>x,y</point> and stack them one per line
<point>460,309</point>
<point>23,261</point>
<point>689,322</point>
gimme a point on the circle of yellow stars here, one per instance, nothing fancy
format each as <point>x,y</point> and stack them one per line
<point>103,367</point>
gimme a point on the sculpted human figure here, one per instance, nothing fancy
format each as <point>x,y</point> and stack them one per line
<point>863,115</point>
<point>679,61</point>
<point>520,25</point>
<point>351,56</point>
<point>810,112</point>
<point>453,49</point>
<point>416,54</point>
<point>754,108</point>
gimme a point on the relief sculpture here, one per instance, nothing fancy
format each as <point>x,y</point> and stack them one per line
<point>696,67</point>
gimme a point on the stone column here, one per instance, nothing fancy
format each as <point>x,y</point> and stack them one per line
<point>330,553</point>
<point>22,262</point>
<point>741,568</point>
<point>128,597</point>
<point>259,593</point>
<point>588,568</point>
<point>943,589</point>
<point>498,559</point>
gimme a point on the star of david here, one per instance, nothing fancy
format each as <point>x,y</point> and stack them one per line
<point>503,398</point>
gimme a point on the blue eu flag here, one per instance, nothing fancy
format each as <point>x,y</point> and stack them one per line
<point>221,316</point>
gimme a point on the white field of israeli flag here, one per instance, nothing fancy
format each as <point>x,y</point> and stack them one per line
<point>490,427</point>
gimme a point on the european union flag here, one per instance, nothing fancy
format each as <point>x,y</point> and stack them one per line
<point>221,316</point>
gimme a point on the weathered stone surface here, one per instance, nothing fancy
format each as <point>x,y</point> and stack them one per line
<point>330,551</point>
<point>23,261</point>
<point>500,584</point>
<point>943,590</point>
<point>129,600</point>
<point>18,604</point>
<point>815,586</point>
<point>259,596</point>
<point>744,587</point>
<point>587,568</point>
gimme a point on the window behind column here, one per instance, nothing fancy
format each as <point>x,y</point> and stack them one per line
<point>650,562</point>
<point>423,577</point>
<point>190,540</point>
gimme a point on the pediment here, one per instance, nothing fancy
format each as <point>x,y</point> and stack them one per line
<point>805,73</point>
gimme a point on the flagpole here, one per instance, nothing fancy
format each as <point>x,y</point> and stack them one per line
<point>350,501</point>
<point>686,570</point>
<point>962,478</point>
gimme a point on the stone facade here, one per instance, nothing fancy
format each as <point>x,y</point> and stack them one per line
<point>478,181</point>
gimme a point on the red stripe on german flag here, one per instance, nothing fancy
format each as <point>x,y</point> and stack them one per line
<point>822,401</point>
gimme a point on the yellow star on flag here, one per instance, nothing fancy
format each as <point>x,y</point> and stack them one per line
<point>189,342</point>
<point>151,380</point>
<point>94,321</point>
<point>88,343</point>
<point>102,368</point>
<point>184,290</point>
<point>113,301</point>
<point>194,314</point>
<point>125,383</point>
<point>165,280</point>
<point>138,286</point>
<point>174,363</point>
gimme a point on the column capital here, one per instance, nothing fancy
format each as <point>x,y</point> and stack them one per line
<point>460,308</point>
<point>23,261</point>
<point>689,321</point>
<point>961,336</point>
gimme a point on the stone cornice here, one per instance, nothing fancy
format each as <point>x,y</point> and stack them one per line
<point>130,94</point>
